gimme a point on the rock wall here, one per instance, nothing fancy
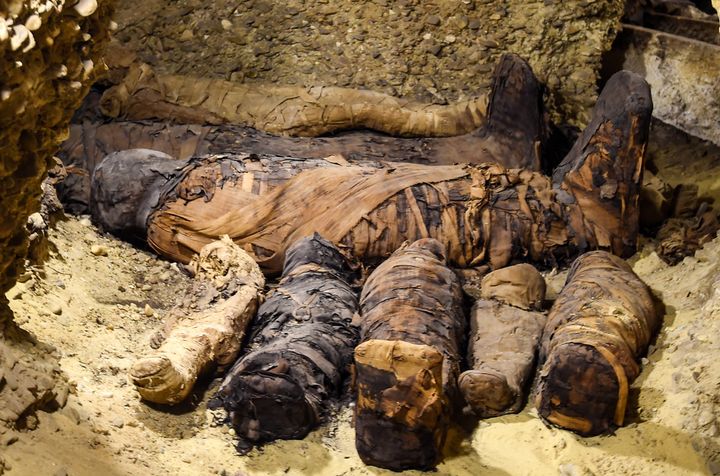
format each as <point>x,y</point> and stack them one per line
<point>436,51</point>
<point>50,55</point>
<point>683,74</point>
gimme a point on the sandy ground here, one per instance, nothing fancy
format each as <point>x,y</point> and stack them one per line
<point>92,308</point>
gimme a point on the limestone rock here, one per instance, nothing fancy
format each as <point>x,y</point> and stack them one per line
<point>682,73</point>
<point>34,115</point>
<point>42,84</point>
<point>316,42</point>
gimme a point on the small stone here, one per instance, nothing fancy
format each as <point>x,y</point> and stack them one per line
<point>117,423</point>
<point>88,65</point>
<point>187,35</point>
<point>61,472</point>
<point>8,440</point>
<point>435,49</point>
<point>55,308</point>
<point>569,469</point>
<point>450,39</point>
<point>146,287</point>
<point>106,394</point>
<point>696,374</point>
<point>461,22</point>
<point>98,430</point>
<point>86,7</point>
<point>20,34</point>
<point>33,22</point>
<point>231,431</point>
<point>99,250</point>
<point>433,20</point>
<point>61,395</point>
<point>226,24</point>
<point>85,221</point>
<point>31,422</point>
<point>148,311</point>
<point>61,71</point>
<point>36,222</point>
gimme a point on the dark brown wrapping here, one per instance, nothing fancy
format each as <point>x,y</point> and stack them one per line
<point>681,237</point>
<point>412,329</point>
<point>598,328</point>
<point>300,349</point>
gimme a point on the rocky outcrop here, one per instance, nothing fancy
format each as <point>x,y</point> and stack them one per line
<point>51,56</point>
<point>424,50</point>
<point>682,73</point>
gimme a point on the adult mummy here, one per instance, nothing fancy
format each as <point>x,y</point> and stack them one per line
<point>480,213</point>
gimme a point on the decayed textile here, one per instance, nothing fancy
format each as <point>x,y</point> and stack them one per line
<point>479,212</point>
<point>205,329</point>
<point>412,328</point>
<point>601,323</point>
<point>513,134</point>
<point>299,351</point>
<point>681,237</point>
<point>283,110</point>
<point>505,331</point>
<point>313,111</point>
